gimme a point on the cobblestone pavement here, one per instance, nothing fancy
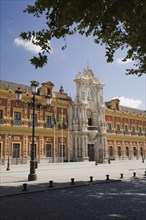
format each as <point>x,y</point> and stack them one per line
<point>124,199</point>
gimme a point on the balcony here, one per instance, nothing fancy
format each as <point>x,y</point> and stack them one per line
<point>126,133</point>
<point>140,134</point>
<point>49,125</point>
<point>17,122</point>
<point>62,127</point>
<point>133,133</point>
<point>92,128</point>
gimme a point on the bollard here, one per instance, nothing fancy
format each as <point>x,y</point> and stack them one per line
<point>121,177</point>
<point>144,173</point>
<point>134,174</point>
<point>72,181</point>
<point>109,161</point>
<point>24,187</point>
<point>91,179</point>
<point>107,177</point>
<point>50,184</point>
<point>96,163</point>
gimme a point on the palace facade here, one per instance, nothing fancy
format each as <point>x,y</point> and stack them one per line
<point>87,129</point>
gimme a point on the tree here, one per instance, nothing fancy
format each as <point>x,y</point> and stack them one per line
<point>117,24</point>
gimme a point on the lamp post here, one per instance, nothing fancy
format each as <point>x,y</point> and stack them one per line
<point>8,162</point>
<point>34,84</point>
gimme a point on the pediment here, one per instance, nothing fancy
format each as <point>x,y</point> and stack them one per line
<point>87,75</point>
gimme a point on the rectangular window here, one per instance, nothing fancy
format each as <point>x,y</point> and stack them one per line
<point>125,129</point>
<point>139,131</point>
<point>1,114</point>
<point>48,119</point>
<point>133,131</point>
<point>48,150</point>
<point>1,117</point>
<point>49,123</point>
<point>17,115</point>
<point>118,128</point>
<point>109,128</point>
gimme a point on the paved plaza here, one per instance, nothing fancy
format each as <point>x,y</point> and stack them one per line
<point>102,199</point>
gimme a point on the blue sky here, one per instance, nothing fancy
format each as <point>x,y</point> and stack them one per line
<point>63,66</point>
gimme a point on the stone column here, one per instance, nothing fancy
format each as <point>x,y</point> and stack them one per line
<point>96,151</point>
<point>130,150</point>
<point>83,147</point>
<point>123,150</point>
<point>104,148</point>
<point>79,142</point>
<point>115,153</point>
<point>5,147</point>
<point>86,158</point>
<point>100,160</point>
<point>75,147</point>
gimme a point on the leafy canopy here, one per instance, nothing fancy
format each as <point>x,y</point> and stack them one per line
<point>118,24</point>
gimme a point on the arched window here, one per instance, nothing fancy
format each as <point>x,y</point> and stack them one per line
<point>127,151</point>
<point>134,151</point>
<point>119,151</point>
<point>48,91</point>
<point>89,121</point>
<point>111,151</point>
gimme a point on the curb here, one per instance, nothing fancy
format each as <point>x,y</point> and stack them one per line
<point>77,184</point>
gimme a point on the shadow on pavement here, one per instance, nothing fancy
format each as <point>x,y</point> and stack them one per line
<point>33,187</point>
<point>115,200</point>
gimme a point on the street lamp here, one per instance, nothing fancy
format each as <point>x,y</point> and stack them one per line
<point>8,162</point>
<point>34,84</point>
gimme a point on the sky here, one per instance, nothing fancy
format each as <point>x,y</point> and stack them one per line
<point>63,66</point>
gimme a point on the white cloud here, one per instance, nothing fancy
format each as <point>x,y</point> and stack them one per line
<point>27,45</point>
<point>129,102</point>
<point>119,61</point>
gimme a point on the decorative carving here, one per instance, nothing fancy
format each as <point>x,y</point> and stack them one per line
<point>92,135</point>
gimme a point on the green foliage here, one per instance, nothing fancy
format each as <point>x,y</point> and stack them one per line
<point>39,61</point>
<point>118,24</point>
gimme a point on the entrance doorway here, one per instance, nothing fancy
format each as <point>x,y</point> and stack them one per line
<point>91,152</point>
<point>16,152</point>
